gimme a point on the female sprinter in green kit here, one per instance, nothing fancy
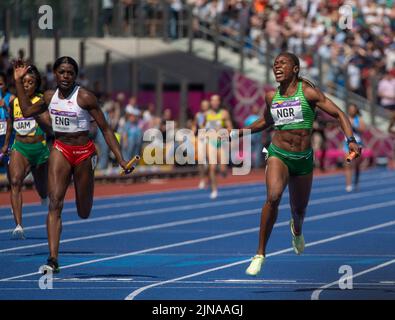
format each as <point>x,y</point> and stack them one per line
<point>291,109</point>
<point>29,150</point>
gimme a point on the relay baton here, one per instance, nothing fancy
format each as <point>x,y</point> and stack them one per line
<point>130,166</point>
<point>351,156</point>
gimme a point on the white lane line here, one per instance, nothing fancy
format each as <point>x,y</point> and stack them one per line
<point>223,216</point>
<point>135,293</point>
<point>259,198</point>
<point>245,281</point>
<point>158,192</point>
<point>316,293</point>
<point>131,203</point>
<point>145,228</point>
<point>205,239</point>
<point>248,189</point>
<point>254,186</point>
<point>133,253</point>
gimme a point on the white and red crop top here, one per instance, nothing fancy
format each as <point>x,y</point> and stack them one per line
<point>67,115</point>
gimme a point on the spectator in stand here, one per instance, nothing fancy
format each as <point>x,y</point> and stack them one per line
<point>151,15</point>
<point>114,112</point>
<point>313,26</point>
<point>175,7</point>
<point>386,91</point>
<point>391,131</point>
<point>49,78</point>
<point>150,120</point>
<point>132,102</point>
<point>168,135</point>
<point>83,80</point>
<point>131,134</point>
<point>129,7</point>
<point>107,8</point>
<point>102,148</point>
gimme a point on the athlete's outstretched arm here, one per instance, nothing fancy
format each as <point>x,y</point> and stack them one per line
<point>28,108</point>
<point>317,98</point>
<point>38,110</point>
<point>88,101</point>
<point>266,121</point>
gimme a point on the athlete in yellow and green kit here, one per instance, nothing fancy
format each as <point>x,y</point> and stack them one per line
<point>29,151</point>
<point>291,110</point>
<point>217,119</point>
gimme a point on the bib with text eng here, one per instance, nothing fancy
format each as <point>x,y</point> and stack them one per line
<point>64,121</point>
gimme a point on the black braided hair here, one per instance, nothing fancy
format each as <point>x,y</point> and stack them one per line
<point>66,60</point>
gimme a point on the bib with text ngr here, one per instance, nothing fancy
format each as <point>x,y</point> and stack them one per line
<point>286,112</point>
<point>64,121</point>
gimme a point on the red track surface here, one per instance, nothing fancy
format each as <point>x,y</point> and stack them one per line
<point>30,196</point>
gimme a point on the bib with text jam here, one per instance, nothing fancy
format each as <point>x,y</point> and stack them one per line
<point>25,126</point>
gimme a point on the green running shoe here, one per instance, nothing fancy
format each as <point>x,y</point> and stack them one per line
<point>297,241</point>
<point>255,266</point>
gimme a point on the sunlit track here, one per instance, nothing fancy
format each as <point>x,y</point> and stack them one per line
<point>181,245</point>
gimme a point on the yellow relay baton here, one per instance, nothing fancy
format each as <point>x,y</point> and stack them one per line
<point>130,166</point>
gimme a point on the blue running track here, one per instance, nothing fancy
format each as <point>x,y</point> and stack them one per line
<point>182,245</point>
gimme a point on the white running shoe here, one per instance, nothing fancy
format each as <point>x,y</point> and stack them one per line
<point>202,184</point>
<point>255,266</point>
<point>297,241</point>
<point>18,233</point>
<point>348,188</point>
<point>214,194</point>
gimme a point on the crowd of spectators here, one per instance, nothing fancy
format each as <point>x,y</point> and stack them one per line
<point>349,43</point>
<point>357,53</point>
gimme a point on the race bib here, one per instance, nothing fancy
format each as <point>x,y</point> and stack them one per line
<point>64,121</point>
<point>214,124</point>
<point>287,112</point>
<point>25,126</point>
<point>3,127</point>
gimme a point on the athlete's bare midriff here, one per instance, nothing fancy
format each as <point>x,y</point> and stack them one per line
<point>29,139</point>
<point>75,139</point>
<point>297,140</point>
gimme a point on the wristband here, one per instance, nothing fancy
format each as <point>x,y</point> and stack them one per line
<point>351,139</point>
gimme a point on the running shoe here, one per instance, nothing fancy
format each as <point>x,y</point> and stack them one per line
<point>52,266</point>
<point>18,233</point>
<point>202,184</point>
<point>349,188</point>
<point>255,266</point>
<point>297,241</point>
<point>214,194</point>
